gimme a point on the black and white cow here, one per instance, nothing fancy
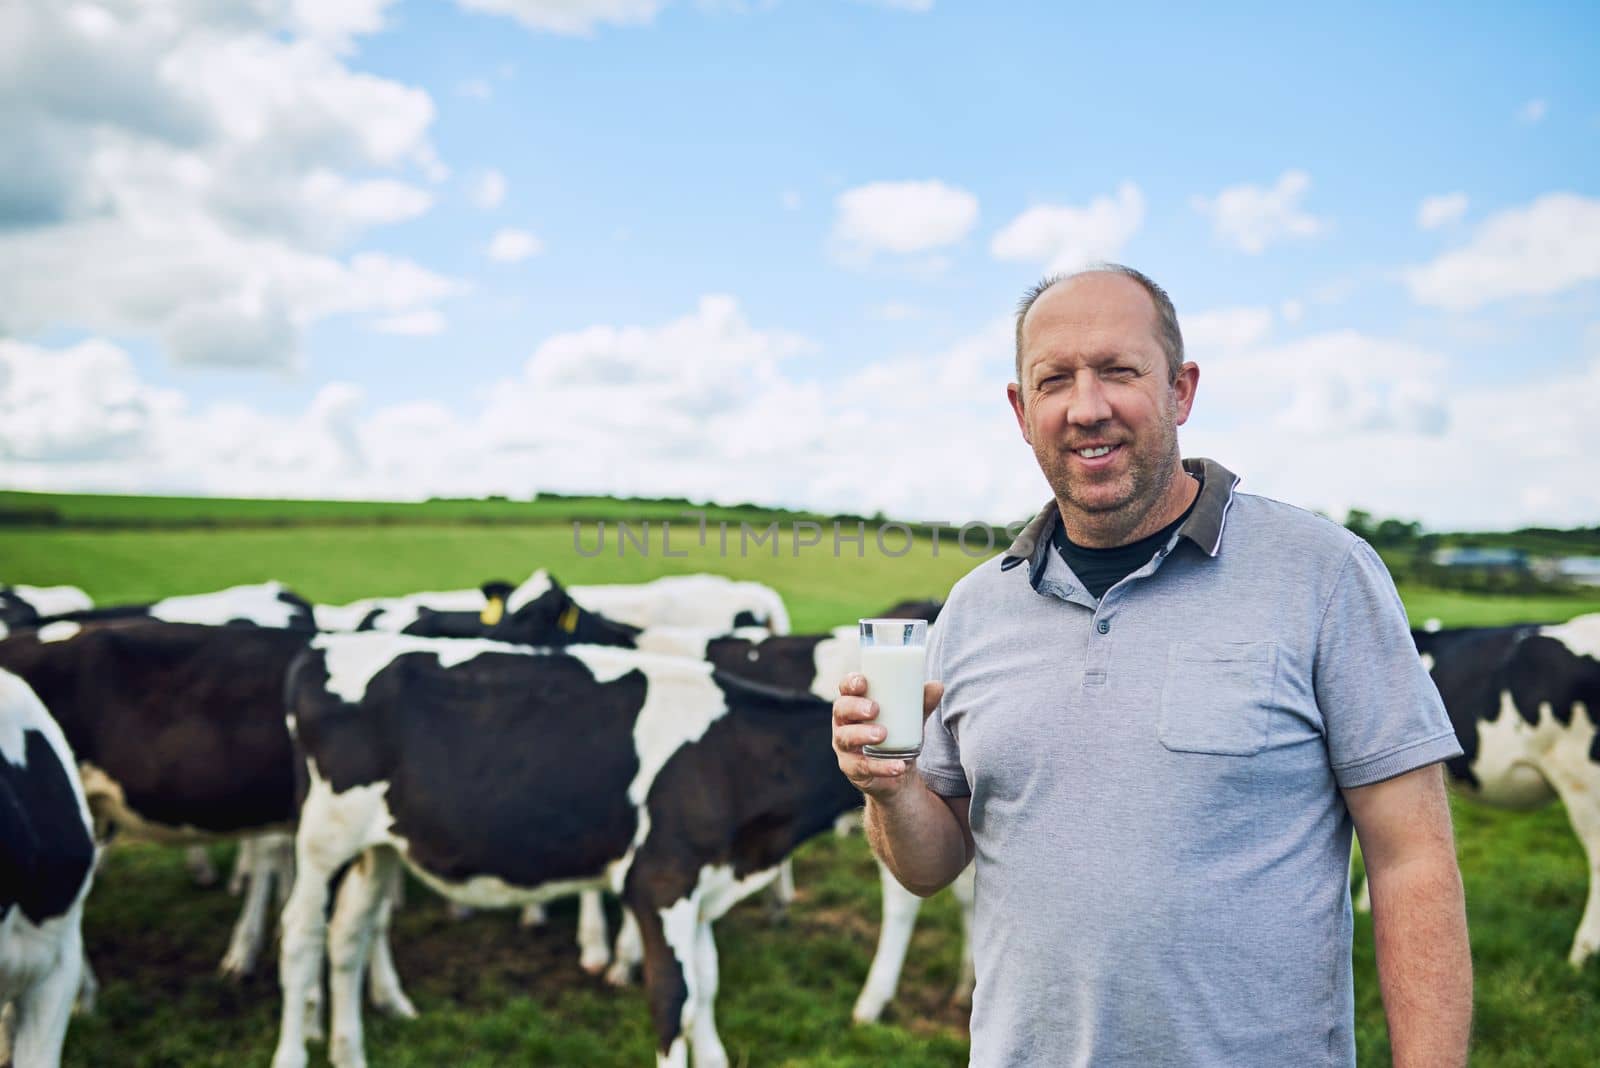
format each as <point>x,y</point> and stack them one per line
<point>813,663</point>
<point>47,856</point>
<point>23,606</point>
<point>503,775</point>
<point>263,604</point>
<point>1525,703</point>
<point>704,600</point>
<point>179,733</point>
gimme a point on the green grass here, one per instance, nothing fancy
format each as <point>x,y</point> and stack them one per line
<point>94,509</point>
<point>493,994</point>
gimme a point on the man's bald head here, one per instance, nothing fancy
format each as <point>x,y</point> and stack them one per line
<point>1164,322</point>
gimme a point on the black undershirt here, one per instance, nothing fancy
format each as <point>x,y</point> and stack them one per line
<point>1101,569</point>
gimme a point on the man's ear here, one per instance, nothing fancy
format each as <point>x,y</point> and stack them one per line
<point>1014,395</point>
<point>1183,388</point>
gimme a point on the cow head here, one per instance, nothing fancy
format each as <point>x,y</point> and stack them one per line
<point>495,596</point>
<point>542,612</point>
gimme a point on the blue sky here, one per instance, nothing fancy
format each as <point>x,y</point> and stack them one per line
<point>370,248</point>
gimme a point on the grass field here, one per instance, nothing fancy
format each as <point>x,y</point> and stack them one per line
<point>494,994</point>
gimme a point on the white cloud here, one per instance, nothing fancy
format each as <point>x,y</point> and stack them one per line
<point>710,406</point>
<point>573,17</point>
<point>901,218</point>
<point>1547,247</point>
<point>83,403</point>
<point>1533,111</point>
<point>422,323</point>
<point>1369,423</point>
<point>1224,330</point>
<point>513,246</point>
<point>1250,217</point>
<point>196,179</point>
<point>1441,210</point>
<point>917,7</point>
<point>1292,310</point>
<point>1065,238</point>
<point>490,191</point>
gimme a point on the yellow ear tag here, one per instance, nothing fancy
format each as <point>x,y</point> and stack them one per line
<point>569,619</point>
<point>492,612</point>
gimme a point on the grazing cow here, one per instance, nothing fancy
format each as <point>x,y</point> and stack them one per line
<point>711,601</point>
<point>814,663</point>
<point>47,859</point>
<point>1525,703</point>
<point>402,614</point>
<point>503,775</point>
<point>22,606</point>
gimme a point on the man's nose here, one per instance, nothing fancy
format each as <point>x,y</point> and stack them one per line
<point>1089,404</point>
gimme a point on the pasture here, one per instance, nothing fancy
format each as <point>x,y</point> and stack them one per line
<point>492,993</point>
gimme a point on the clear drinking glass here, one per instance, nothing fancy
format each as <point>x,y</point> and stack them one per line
<point>892,659</point>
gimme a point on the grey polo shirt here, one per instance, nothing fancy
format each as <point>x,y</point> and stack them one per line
<point>1162,847</point>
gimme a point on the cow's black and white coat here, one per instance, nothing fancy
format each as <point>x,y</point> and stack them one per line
<point>24,606</point>
<point>262,604</point>
<point>506,775</point>
<point>1524,702</point>
<point>47,859</point>
<point>177,731</point>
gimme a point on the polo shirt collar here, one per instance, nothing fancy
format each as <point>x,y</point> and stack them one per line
<point>1203,527</point>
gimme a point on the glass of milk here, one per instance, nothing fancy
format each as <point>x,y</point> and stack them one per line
<point>892,653</point>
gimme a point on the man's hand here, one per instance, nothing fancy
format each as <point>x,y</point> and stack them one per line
<point>855,724</point>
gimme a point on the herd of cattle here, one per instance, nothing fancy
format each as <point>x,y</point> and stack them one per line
<point>667,742</point>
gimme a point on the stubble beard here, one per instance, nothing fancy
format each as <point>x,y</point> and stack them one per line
<point>1112,518</point>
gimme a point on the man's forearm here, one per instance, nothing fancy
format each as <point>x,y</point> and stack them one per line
<point>914,832</point>
<point>1424,961</point>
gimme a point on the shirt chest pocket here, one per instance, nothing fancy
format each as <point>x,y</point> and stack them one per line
<point>1217,696</point>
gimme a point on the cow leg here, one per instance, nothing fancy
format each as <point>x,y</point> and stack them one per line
<point>1576,779</point>
<point>350,935</point>
<point>965,888</point>
<point>668,937</point>
<point>1363,890</point>
<point>241,866</point>
<point>88,990</point>
<point>900,908</point>
<point>594,949</point>
<point>782,889</point>
<point>383,981</point>
<point>629,951</point>
<point>250,930</point>
<point>304,930</point>
<point>43,1009</point>
<point>707,1044</point>
<point>198,863</point>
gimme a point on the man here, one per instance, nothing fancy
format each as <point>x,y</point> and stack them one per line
<point>1161,711</point>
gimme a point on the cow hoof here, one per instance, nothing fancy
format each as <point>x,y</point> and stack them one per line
<point>619,975</point>
<point>289,1059</point>
<point>533,916</point>
<point>235,966</point>
<point>343,1053</point>
<point>867,1011</point>
<point>396,1004</point>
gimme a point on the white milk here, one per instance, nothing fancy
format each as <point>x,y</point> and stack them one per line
<point>894,680</point>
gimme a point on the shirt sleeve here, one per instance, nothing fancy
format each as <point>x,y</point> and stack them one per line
<point>1382,712</point>
<point>940,760</point>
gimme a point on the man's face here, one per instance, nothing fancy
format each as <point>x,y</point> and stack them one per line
<point>1096,400</point>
